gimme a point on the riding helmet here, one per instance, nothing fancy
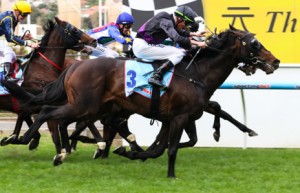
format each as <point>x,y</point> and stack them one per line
<point>125,18</point>
<point>22,6</point>
<point>186,13</point>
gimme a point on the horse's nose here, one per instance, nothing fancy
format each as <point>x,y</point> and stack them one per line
<point>94,43</point>
<point>276,63</point>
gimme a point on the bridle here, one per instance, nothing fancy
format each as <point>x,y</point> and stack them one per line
<point>71,37</point>
<point>249,59</point>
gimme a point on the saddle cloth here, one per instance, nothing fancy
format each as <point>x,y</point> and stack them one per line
<point>137,75</point>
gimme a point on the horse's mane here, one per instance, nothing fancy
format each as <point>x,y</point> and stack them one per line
<point>47,28</point>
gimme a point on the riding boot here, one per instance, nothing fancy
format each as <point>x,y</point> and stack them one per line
<point>7,71</point>
<point>157,76</point>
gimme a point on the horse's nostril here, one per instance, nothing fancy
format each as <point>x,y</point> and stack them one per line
<point>276,63</point>
<point>94,43</point>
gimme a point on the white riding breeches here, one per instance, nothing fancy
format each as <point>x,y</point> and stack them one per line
<point>7,54</point>
<point>142,49</point>
<point>101,50</point>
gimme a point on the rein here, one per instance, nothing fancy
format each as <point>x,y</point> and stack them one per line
<point>63,47</point>
<point>49,61</point>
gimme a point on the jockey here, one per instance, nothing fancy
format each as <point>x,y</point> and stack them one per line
<point>8,23</point>
<point>150,36</point>
<point>119,31</point>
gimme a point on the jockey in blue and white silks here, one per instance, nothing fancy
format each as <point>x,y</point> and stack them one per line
<point>8,23</point>
<point>112,32</point>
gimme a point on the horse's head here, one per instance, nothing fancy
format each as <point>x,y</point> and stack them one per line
<point>73,37</point>
<point>253,54</point>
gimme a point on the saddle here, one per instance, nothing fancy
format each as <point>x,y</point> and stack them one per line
<point>137,73</point>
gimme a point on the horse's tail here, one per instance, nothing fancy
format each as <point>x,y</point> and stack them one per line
<point>52,93</point>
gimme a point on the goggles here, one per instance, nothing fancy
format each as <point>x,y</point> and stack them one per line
<point>127,26</point>
<point>24,14</point>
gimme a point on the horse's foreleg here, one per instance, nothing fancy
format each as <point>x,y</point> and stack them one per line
<point>176,130</point>
<point>28,135</point>
<point>34,143</point>
<point>99,140</point>
<point>46,113</point>
<point>224,115</point>
<point>75,136</point>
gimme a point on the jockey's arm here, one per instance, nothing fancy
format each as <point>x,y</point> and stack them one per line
<point>115,33</point>
<point>9,33</point>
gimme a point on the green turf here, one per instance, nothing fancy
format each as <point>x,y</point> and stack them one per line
<point>207,170</point>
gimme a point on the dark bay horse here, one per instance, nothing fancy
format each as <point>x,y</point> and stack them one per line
<point>43,67</point>
<point>178,108</point>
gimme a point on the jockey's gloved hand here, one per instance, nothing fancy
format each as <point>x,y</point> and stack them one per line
<point>129,41</point>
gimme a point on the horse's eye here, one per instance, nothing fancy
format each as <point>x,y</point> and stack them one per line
<point>255,44</point>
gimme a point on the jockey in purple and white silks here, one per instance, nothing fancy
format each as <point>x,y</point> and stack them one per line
<point>149,39</point>
<point>112,32</point>
<point>8,23</point>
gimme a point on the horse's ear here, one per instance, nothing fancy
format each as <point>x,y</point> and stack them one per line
<point>57,19</point>
<point>231,27</point>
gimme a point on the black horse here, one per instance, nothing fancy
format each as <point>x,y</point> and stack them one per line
<point>177,109</point>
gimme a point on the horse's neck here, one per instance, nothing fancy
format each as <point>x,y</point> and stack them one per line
<point>44,69</point>
<point>215,70</point>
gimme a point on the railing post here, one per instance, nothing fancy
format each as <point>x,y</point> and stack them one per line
<point>245,117</point>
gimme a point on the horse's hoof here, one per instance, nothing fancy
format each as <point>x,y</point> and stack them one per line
<point>252,134</point>
<point>57,160</point>
<point>3,141</point>
<point>120,150</point>
<point>33,144</point>
<point>216,137</point>
<point>8,140</point>
<point>98,153</point>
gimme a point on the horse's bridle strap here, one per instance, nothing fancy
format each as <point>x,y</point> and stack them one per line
<point>49,61</point>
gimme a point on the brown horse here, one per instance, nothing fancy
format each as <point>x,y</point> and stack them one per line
<point>44,66</point>
<point>177,108</point>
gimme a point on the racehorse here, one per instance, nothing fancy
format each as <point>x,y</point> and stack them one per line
<point>177,108</point>
<point>44,66</point>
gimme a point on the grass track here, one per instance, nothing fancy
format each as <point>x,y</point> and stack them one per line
<point>207,170</point>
